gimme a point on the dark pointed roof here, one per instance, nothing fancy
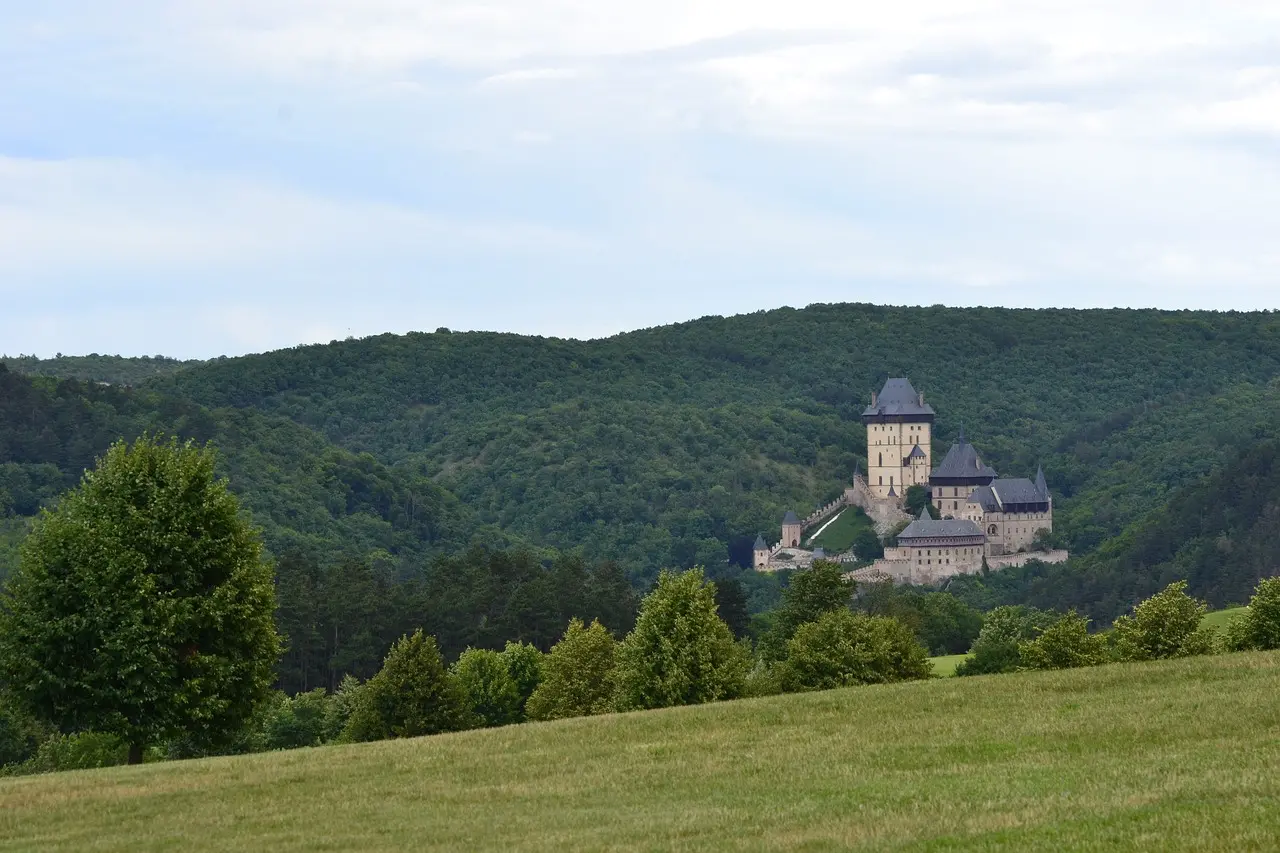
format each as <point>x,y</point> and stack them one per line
<point>1001,493</point>
<point>915,453</point>
<point>898,398</point>
<point>1041,486</point>
<point>924,514</point>
<point>790,518</point>
<point>892,493</point>
<point>819,553</point>
<point>760,545</point>
<point>962,463</point>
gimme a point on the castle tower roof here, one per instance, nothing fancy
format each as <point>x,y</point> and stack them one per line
<point>898,400</point>
<point>962,466</point>
<point>916,453</point>
<point>760,545</point>
<point>924,514</point>
<point>1041,486</point>
<point>892,493</point>
<point>790,518</point>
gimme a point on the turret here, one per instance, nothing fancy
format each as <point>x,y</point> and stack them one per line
<point>899,439</point>
<point>760,553</point>
<point>791,530</point>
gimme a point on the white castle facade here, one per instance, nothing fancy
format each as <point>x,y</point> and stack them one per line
<point>983,518</point>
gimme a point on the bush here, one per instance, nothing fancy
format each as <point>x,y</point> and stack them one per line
<point>1259,628</point>
<point>524,665</point>
<point>491,696</point>
<point>948,626</point>
<point>20,734</point>
<point>1166,625</point>
<point>81,751</point>
<point>342,704</point>
<point>411,695</point>
<point>577,676</point>
<point>811,593</point>
<point>1003,629</point>
<point>1065,644</point>
<point>842,648</point>
<point>680,652</point>
<point>298,721</point>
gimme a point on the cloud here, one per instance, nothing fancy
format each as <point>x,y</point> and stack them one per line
<point>286,169</point>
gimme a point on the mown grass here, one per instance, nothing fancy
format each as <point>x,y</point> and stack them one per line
<point>1176,755</point>
<point>839,535</point>
<point>1220,619</point>
<point>944,666</point>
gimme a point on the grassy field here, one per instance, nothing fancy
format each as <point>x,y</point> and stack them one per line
<point>1171,756</point>
<point>839,535</point>
<point>945,665</point>
<point>1219,619</point>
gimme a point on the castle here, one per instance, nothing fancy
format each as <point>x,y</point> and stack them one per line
<point>984,519</point>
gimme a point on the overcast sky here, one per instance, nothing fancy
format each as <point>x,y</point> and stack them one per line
<point>226,176</point>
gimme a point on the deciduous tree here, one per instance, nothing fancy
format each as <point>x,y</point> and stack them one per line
<point>142,607</point>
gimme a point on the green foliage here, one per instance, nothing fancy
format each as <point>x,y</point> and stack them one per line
<point>411,695</point>
<point>577,676</point>
<point>731,604</point>
<point>79,751</point>
<point>918,498</point>
<point>1166,625</point>
<point>1259,627</point>
<point>142,607</point>
<point>1065,644</point>
<point>298,721</point>
<point>490,693</point>
<point>524,665</point>
<point>105,369</point>
<point>341,706</point>
<point>843,648</point>
<point>812,592</point>
<point>20,733</point>
<point>1004,629</point>
<point>948,626</point>
<point>680,652</point>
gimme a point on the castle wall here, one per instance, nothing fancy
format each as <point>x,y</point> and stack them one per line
<point>1011,532</point>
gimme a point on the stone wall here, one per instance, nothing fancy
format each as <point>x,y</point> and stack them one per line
<point>885,513</point>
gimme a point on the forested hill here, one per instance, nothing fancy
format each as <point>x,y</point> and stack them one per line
<point>660,447</point>
<point>109,369</point>
<point>309,496</point>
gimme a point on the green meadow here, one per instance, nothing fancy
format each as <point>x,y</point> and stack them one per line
<point>1177,755</point>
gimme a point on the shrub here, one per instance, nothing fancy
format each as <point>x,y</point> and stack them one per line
<point>1003,629</point>
<point>524,665</point>
<point>20,734</point>
<point>491,696</point>
<point>1065,644</point>
<point>1259,628</point>
<point>680,652</point>
<point>411,695</point>
<point>1166,625</point>
<point>342,704</point>
<point>80,751</point>
<point>577,676</point>
<point>843,648</point>
<point>811,593</point>
<point>298,721</point>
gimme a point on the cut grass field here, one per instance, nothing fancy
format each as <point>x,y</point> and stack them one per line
<point>1177,755</point>
<point>944,666</point>
<point>1219,619</point>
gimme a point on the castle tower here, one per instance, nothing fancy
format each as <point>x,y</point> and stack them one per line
<point>791,530</point>
<point>899,439</point>
<point>760,553</point>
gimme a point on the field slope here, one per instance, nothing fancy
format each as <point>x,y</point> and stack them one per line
<point>1171,756</point>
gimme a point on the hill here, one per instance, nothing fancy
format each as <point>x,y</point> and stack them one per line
<point>1115,757</point>
<point>669,446</point>
<point>109,369</point>
<point>308,495</point>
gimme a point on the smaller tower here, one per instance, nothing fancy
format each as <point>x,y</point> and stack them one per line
<point>760,553</point>
<point>791,530</point>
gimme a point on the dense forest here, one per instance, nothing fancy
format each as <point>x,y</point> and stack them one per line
<point>674,446</point>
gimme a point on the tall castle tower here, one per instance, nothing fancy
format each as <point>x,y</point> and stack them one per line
<point>899,439</point>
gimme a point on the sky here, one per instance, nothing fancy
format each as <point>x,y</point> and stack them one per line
<point>214,177</point>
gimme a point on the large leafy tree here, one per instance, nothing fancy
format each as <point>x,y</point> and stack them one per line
<point>680,652</point>
<point>1166,625</point>
<point>843,648</point>
<point>577,676</point>
<point>142,606</point>
<point>412,695</point>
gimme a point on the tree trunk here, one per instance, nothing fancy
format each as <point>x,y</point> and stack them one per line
<point>135,753</point>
